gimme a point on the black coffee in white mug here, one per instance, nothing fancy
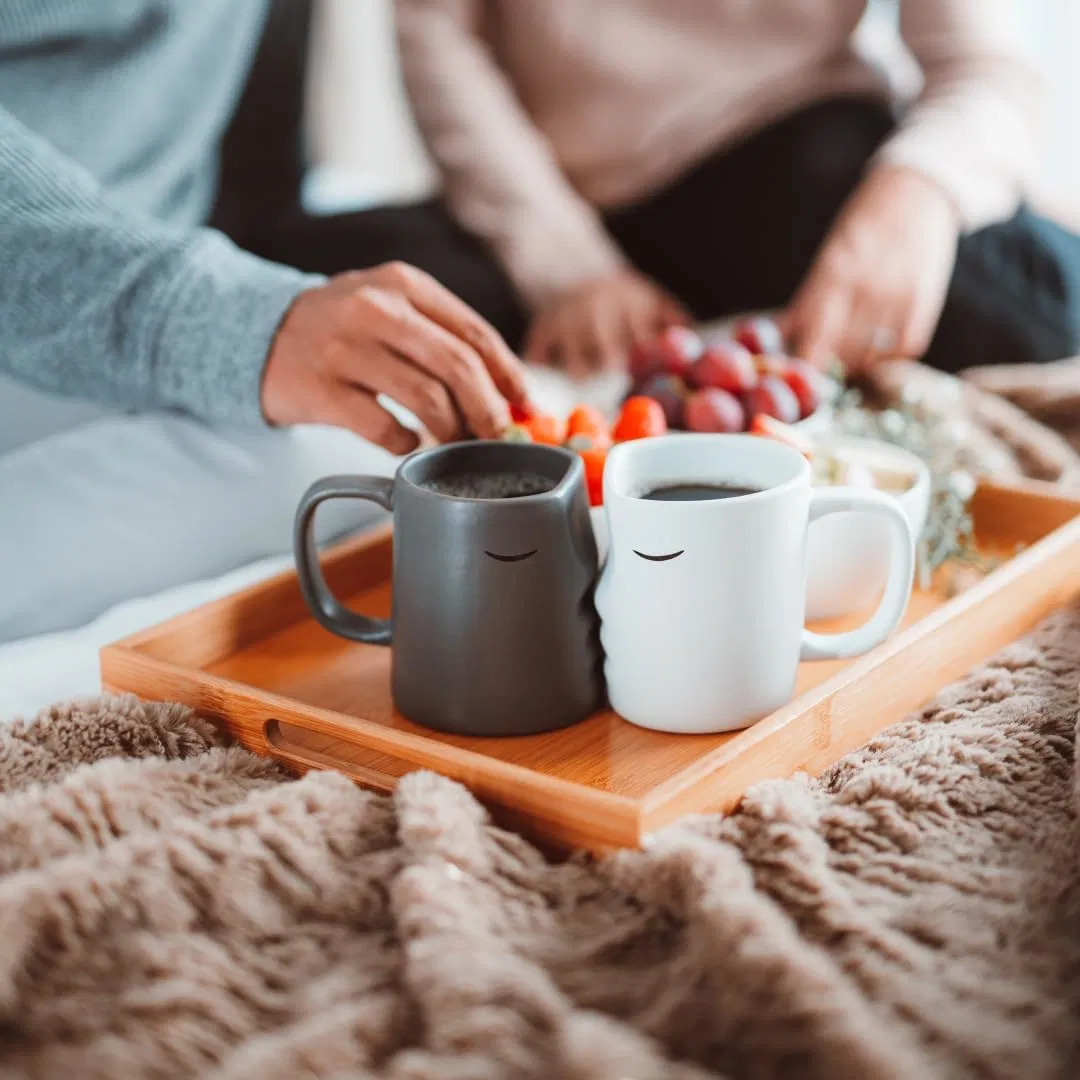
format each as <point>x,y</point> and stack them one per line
<point>691,492</point>
<point>703,595</point>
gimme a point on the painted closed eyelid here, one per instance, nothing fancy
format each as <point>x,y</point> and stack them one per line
<point>512,558</point>
<point>658,558</point>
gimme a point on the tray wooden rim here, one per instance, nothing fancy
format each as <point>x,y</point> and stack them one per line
<point>381,741</point>
<point>927,628</point>
<point>687,790</point>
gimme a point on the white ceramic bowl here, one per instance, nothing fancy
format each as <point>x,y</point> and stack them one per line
<point>847,554</point>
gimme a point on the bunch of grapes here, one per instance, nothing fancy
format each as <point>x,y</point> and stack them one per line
<point>721,386</point>
<point>680,383</point>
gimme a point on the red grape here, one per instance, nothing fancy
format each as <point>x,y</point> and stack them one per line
<point>669,391</point>
<point>759,334</point>
<point>645,361</point>
<point>678,347</point>
<point>773,397</point>
<point>804,382</point>
<point>726,365</point>
<point>714,411</point>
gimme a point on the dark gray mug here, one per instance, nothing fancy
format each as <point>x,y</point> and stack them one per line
<point>493,626</point>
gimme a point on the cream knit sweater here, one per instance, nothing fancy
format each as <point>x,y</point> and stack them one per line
<point>539,112</point>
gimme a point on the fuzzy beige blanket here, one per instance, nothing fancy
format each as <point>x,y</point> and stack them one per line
<point>173,908</point>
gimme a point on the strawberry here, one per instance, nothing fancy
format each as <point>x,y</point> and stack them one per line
<point>640,418</point>
<point>589,422</point>
<point>545,429</point>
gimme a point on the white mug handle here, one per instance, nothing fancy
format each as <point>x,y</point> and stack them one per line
<point>901,574</point>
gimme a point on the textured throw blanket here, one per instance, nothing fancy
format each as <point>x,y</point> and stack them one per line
<point>1021,421</point>
<point>170,907</point>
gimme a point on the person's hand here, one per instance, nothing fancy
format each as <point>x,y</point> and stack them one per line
<point>394,331</point>
<point>879,282</point>
<point>594,327</point>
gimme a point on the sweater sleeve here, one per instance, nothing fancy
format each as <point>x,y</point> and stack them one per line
<point>499,175</point>
<point>115,308</point>
<point>976,128</point>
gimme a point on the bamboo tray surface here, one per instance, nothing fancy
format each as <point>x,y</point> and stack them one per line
<point>256,663</point>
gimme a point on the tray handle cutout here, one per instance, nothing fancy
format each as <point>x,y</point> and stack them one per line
<point>299,747</point>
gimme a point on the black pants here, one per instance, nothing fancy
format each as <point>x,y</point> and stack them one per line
<point>737,232</point>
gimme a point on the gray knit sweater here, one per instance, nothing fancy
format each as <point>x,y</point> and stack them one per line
<point>111,113</point>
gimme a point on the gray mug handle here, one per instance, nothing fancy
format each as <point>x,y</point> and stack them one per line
<point>327,609</point>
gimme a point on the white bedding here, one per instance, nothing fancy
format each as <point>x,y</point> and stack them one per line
<point>36,671</point>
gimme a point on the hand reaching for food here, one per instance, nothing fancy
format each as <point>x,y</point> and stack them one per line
<point>878,285</point>
<point>391,332</point>
<point>594,327</point>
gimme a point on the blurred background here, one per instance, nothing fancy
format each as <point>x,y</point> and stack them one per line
<point>364,146</point>
<point>221,517</point>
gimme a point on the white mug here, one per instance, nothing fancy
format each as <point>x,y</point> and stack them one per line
<point>702,603</point>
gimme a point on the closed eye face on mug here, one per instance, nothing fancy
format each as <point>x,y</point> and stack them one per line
<point>519,557</point>
<point>659,558</point>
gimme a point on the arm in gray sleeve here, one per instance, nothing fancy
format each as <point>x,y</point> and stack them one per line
<point>119,309</point>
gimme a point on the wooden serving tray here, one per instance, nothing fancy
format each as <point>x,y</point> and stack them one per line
<point>256,663</point>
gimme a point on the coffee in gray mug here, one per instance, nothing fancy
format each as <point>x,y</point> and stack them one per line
<point>493,629</point>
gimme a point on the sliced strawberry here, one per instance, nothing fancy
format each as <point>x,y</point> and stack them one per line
<point>593,461</point>
<point>588,421</point>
